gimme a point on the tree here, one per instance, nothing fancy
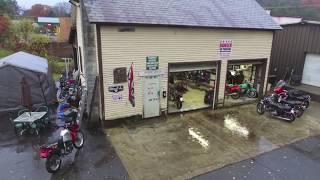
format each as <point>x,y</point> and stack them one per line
<point>9,7</point>
<point>62,9</point>
<point>23,28</point>
<point>38,10</point>
<point>39,45</point>
<point>4,29</point>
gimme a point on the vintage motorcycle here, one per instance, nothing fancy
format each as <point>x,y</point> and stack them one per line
<point>235,91</point>
<point>298,106</point>
<point>71,136</point>
<point>291,94</point>
<point>278,110</point>
<point>176,97</point>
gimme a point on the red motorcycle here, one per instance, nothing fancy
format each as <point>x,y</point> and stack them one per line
<point>291,94</point>
<point>71,136</point>
<point>233,90</point>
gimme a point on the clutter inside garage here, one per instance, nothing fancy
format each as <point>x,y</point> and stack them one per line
<point>243,83</point>
<point>191,88</point>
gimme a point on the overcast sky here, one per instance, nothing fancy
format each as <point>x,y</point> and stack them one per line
<point>26,4</point>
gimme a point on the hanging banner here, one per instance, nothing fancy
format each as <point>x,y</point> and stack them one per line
<point>225,48</point>
<point>131,86</point>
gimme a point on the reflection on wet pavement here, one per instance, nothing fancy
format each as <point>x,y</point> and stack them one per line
<point>235,127</point>
<point>20,158</point>
<point>183,146</point>
<point>197,136</point>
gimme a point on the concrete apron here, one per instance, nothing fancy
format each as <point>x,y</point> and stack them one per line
<point>183,146</point>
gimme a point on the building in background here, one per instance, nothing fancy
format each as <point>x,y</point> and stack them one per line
<point>296,51</point>
<point>143,53</point>
<point>57,28</point>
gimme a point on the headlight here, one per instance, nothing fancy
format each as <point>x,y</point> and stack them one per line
<point>181,99</point>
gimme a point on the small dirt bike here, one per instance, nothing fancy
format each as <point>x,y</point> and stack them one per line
<point>71,136</point>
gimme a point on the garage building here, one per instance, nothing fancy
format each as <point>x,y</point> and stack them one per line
<point>152,54</point>
<point>296,51</point>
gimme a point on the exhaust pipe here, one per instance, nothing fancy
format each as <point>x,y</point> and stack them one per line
<point>282,118</point>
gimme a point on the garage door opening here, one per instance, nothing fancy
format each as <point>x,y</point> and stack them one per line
<point>311,70</point>
<point>191,86</point>
<point>244,82</point>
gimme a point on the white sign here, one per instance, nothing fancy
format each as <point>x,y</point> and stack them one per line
<point>225,48</point>
<point>117,97</point>
<point>152,73</point>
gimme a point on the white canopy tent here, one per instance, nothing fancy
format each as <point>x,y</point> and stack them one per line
<point>35,70</point>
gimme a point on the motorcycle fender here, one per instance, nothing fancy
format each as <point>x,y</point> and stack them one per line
<point>253,89</point>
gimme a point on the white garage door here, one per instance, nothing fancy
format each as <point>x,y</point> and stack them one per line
<point>311,72</point>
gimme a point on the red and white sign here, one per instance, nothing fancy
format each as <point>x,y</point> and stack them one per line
<point>225,48</point>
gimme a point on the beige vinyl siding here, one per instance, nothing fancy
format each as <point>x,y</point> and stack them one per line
<point>120,49</point>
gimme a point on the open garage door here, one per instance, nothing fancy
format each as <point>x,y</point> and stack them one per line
<point>311,70</point>
<point>192,83</point>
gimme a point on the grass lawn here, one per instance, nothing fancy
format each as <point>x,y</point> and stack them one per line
<point>4,53</point>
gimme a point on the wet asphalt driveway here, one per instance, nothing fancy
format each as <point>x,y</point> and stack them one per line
<point>19,157</point>
<point>184,146</point>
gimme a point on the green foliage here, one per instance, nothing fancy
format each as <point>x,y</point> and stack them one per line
<point>22,29</point>
<point>4,53</point>
<point>39,44</point>
<point>4,27</point>
<point>292,8</point>
<point>9,7</point>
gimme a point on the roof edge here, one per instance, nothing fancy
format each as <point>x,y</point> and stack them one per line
<point>182,26</point>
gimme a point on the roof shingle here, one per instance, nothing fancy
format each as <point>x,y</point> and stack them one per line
<point>196,13</point>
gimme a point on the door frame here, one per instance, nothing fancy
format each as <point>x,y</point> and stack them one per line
<point>217,81</point>
<point>263,62</point>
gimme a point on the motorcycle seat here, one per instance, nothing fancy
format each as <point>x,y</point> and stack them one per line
<point>292,102</point>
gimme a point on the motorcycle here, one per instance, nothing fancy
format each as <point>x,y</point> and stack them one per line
<point>176,96</point>
<point>278,110</point>
<point>281,89</point>
<point>71,136</point>
<point>208,98</point>
<point>235,91</point>
<point>298,106</point>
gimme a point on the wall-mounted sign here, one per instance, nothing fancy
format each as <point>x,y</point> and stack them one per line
<point>117,97</point>
<point>159,72</point>
<point>225,48</point>
<point>120,75</point>
<point>115,88</point>
<point>152,62</point>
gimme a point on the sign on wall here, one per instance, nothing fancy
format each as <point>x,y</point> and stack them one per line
<point>152,62</point>
<point>115,88</point>
<point>117,97</point>
<point>225,48</point>
<point>120,75</point>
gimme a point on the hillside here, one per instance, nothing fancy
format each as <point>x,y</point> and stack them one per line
<point>308,9</point>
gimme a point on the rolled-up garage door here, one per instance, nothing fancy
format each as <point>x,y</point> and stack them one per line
<point>191,67</point>
<point>311,72</point>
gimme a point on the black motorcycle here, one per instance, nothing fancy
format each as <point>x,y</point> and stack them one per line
<point>278,110</point>
<point>298,106</point>
<point>208,98</point>
<point>298,96</point>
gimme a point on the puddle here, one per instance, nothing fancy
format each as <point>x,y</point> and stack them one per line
<point>198,137</point>
<point>235,127</point>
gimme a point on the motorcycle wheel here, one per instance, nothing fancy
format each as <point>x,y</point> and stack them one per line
<point>53,163</point>
<point>306,104</point>
<point>260,108</point>
<point>291,117</point>
<point>252,94</point>
<point>235,96</point>
<point>179,104</point>
<point>78,143</point>
<point>300,112</point>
